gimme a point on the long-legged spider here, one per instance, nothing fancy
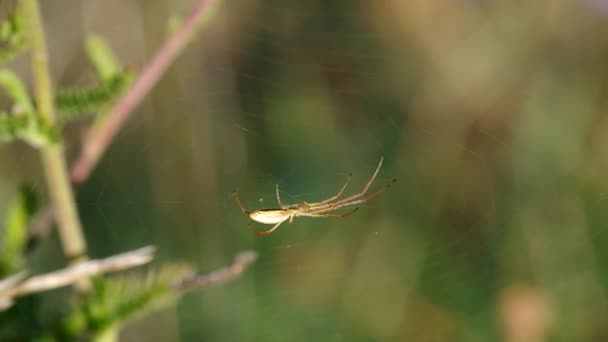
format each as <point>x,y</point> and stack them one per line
<point>323,208</point>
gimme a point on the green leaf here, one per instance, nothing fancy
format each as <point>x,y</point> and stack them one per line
<point>102,58</point>
<point>14,238</point>
<point>17,91</point>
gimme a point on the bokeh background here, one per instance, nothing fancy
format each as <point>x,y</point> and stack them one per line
<point>492,114</point>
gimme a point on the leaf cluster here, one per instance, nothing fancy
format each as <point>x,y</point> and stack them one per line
<point>23,122</point>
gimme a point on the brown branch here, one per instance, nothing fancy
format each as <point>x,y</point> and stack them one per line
<point>15,286</point>
<point>219,276</point>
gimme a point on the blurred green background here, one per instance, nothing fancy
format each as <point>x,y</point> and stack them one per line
<point>491,113</point>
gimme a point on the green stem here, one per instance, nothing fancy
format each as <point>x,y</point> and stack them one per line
<point>53,158</point>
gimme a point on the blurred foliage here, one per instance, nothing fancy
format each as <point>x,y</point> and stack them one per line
<point>492,114</point>
<point>14,233</point>
<point>115,301</point>
<point>23,122</point>
<point>12,36</point>
<point>29,127</point>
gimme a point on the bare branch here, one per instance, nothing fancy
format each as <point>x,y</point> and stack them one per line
<point>219,276</point>
<point>72,274</point>
<point>12,281</point>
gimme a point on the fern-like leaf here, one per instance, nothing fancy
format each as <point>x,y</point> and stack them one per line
<point>74,103</point>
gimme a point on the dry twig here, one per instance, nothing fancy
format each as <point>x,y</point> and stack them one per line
<point>17,287</point>
<point>219,276</point>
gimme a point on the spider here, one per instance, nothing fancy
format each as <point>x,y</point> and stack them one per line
<point>323,208</point>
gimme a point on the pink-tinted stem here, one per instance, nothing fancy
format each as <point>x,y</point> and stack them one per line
<point>99,138</point>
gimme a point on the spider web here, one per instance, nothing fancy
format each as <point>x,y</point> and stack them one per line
<point>492,231</point>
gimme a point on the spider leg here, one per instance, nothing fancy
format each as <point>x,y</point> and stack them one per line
<point>266,232</point>
<point>278,196</point>
<point>341,204</point>
<point>355,196</point>
<point>335,197</point>
<point>238,201</point>
<point>330,215</point>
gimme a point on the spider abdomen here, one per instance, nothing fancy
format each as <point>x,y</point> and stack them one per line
<point>269,216</point>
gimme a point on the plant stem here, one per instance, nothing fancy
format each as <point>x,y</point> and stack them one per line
<point>53,158</point>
